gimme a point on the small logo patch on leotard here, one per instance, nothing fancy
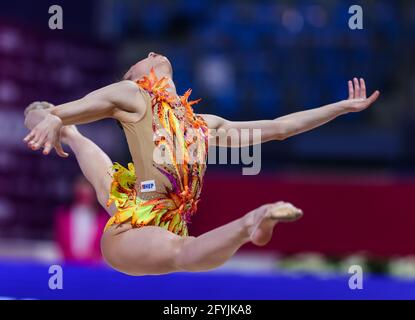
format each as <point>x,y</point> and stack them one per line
<point>148,186</point>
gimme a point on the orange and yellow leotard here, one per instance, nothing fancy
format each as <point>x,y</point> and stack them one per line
<point>182,139</point>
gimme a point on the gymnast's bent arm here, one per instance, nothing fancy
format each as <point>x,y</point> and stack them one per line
<point>122,101</point>
<point>289,125</point>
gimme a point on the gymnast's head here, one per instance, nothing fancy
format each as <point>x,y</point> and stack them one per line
<point>160,63</point>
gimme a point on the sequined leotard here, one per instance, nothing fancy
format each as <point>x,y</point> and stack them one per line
<point>169,148</point>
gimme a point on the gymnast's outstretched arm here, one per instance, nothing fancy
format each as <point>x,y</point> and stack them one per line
<point>122,101</point>
<point>292,124</point>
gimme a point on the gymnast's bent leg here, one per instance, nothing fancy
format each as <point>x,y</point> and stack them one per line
<point>96,171</point>
<point>93,162</point>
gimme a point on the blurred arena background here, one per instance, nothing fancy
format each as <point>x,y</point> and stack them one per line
<point>354,178</point>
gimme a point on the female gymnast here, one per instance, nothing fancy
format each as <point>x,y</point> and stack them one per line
<point>152,201</point>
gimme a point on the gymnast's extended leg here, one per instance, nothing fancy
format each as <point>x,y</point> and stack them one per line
<point>154,250</point>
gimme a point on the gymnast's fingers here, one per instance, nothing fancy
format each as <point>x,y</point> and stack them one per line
<point>59,150</point>
<point>362,89</point>
<point>351,90</point>
<point>356,88</point>
<point>37,143</point>
<point>374,97</point>
<point>47,148</point>
<point>29,136</point>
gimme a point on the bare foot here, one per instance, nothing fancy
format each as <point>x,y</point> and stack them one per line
<point>262,220</point>
<point>37,105</point>
<point>35,113</point>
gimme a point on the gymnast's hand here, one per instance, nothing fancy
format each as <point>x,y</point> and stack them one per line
<point>46,135</point>
<point>358,100</point>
